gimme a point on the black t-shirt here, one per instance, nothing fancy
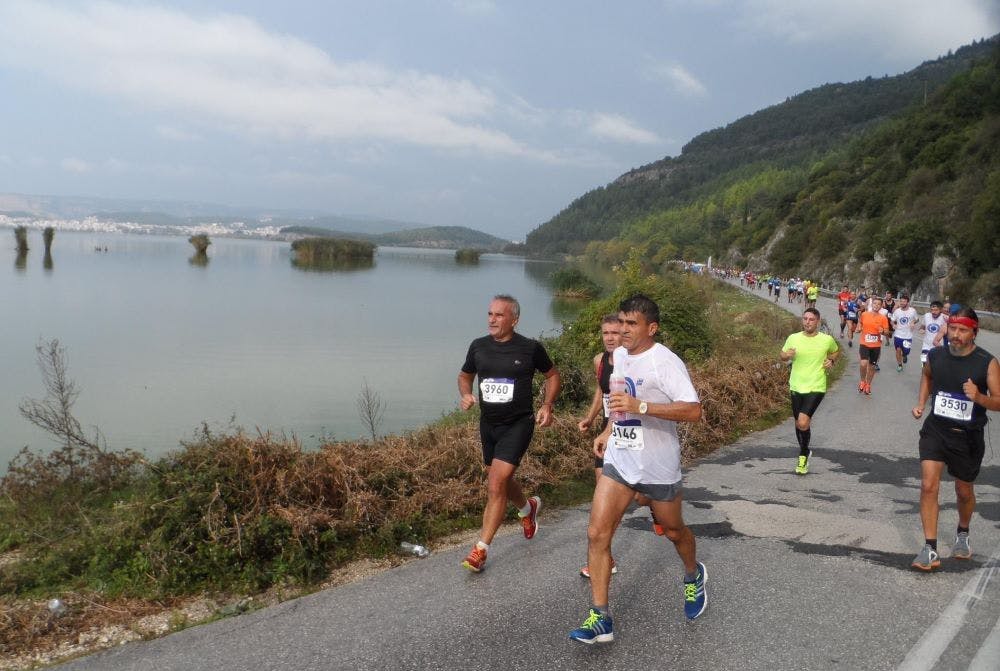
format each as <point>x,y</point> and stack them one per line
<point>505,371</point>
<point>948,374</point>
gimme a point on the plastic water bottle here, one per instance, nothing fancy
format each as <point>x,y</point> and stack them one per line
<point>56,607</point>
<point>616,382</point>
<point>415,550</point>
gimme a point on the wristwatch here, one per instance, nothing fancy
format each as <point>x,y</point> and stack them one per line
<point>643,407</point>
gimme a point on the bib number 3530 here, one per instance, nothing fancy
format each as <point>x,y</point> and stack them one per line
<point>953,406</point>
<point>627,435</point>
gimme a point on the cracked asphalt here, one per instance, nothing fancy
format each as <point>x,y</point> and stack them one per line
<point>805,572</point>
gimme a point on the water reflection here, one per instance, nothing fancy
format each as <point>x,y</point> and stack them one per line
<point>21,262</point>
<point>565,309</point>
<point>199,259</point>
<point>541,271</point>
<point>333,265</point>
<point>47,261</point>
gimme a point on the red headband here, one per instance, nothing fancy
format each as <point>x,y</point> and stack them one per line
<point>965,321</point>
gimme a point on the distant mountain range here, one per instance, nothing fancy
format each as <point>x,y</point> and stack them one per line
<point>183,218</point>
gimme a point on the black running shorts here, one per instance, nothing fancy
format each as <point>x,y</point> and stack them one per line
<point>869,354</point>
<point>806,403</point>
<point>506,442</point>
<point>961,450</point>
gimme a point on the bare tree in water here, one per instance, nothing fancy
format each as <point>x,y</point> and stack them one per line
<point>371,407</point>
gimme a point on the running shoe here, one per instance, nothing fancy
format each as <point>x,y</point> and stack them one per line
<point>530,521</point>
<point>585,571</point>
<point>803,466</point>
<point>961,549</point>
<point>657,528</point>
<point>868,388</point>
<point>877,368</point>
<point>861,387</point>
<point>597,628</point>
<point>927,560</point>
<point>905,357</point>
<point>695,597</point>
<point>899,368</point>
<point>476,560</point>
<point>850,343</point>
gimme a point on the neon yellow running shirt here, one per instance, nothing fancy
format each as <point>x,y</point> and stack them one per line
<point>807,367</point>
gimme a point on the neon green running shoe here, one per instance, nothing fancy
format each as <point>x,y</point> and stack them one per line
<point>803,466</point>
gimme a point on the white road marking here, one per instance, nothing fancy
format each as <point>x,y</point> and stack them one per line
<point>924,655</point>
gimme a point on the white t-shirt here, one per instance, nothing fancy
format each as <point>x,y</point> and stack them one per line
<point>646,449</point>
<point>904,321</point>
<point>932,327</point>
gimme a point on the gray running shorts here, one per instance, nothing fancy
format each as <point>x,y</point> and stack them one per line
<point>655,492</point>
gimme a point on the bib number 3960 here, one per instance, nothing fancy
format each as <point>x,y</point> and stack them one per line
<point>953,406</point>
<point>496,390</point>
<point>627,435</point>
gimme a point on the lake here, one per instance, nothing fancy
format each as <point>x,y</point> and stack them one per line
<point>158,344</point>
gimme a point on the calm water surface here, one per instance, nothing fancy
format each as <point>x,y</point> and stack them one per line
<point>158,344</point>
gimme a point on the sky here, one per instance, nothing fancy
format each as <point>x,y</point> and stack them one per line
<point>492,115</point>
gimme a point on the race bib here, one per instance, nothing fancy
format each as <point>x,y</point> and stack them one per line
<point>953,406</point>
<point>851,314</point>
<point>496,390</point>
<point>871,337</point>
<point>605,399</point>
<point>907,344</point>
<point>627,435</point>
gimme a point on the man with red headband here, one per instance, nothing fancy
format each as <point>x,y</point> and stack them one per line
<point>963,382</point>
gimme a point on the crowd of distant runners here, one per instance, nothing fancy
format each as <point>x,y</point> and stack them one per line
<point>642,390</point>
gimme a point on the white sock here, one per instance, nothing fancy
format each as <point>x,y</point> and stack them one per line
<point>525,511</point>
<point>482,546</point>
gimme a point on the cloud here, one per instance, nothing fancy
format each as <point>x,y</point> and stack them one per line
<point>227,71</point>
<point>618,128</point>
<point>175,134</point>
<point>680,79</point>
<point>905,29</point>
<point>77,165</point>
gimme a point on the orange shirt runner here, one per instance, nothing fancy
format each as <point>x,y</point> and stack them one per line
<point>872,325</point>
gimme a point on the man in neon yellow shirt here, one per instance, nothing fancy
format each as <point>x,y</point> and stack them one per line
<point>812,354</point>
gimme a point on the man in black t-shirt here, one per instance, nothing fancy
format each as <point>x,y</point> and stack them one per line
<point>962,381</point>
<point>505,363</point>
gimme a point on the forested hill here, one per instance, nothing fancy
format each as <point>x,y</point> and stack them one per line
<point>782,136</point>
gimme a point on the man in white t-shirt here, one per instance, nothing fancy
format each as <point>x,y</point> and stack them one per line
<point>934,325</point>
<point>642,455</point>
<point>904,320</point>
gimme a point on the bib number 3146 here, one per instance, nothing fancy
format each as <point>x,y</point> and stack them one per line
<point>953,406</point>
<point>627,435</point>
<point>496,390</point>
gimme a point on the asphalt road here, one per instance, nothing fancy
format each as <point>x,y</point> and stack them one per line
<point>805,572</point>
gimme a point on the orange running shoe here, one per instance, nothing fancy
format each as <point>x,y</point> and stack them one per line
<point>476,560</point>
<point>868,388</point>
<point>585,571</point>
<point>530,521</point>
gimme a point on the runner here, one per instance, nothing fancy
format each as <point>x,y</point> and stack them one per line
<point>777,289</point>
<point>933,324</point>
<point>611,338</point>
<point>642,454</point>
<point>963,382</point>
<point>812,293</point>
<point>904,318</point>
<point>812,353</point>
<point>889,305</point>
<point>505,362</point>
<point>842,298</point>
<point>852,318</point>
<point>874,325</point>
